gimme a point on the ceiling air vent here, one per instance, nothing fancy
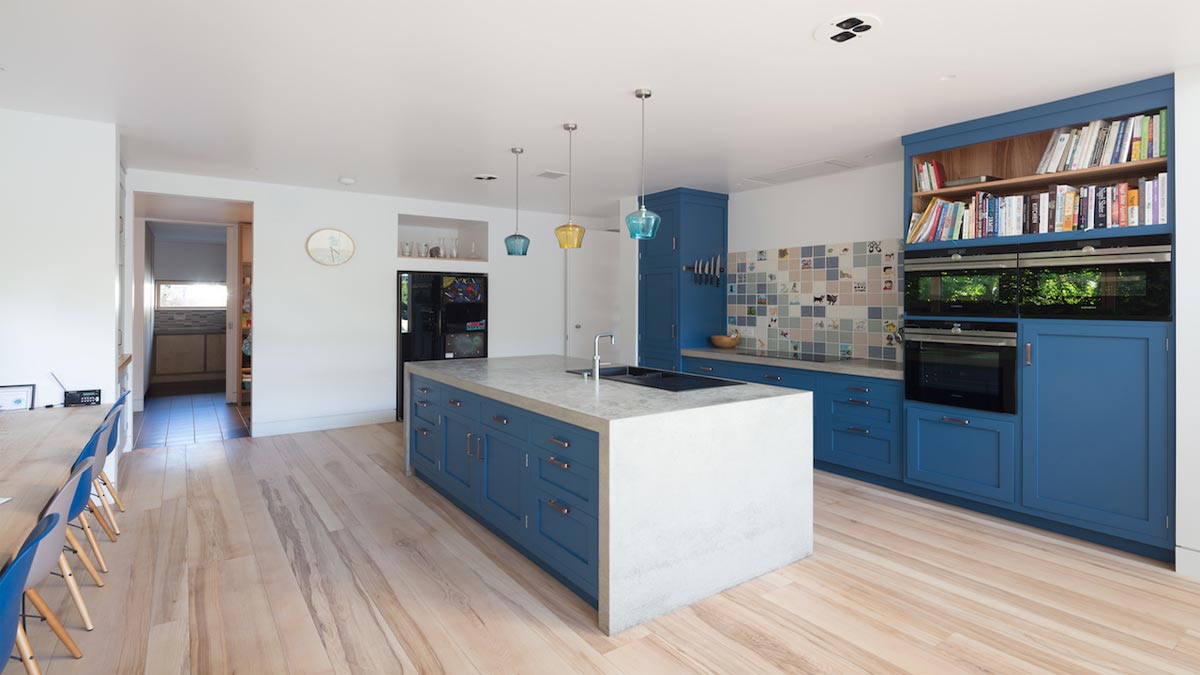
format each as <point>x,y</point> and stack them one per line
<point>843,29</point>
<point>552,175</point>
<point>821,167</point>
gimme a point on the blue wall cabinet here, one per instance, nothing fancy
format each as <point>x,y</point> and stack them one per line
<point>675,312</point>
<point>964,451</point>
<point>1095,399</point>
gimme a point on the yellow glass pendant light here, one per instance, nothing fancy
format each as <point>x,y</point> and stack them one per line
<point>570,235</point>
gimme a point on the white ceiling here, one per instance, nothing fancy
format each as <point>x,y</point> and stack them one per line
<point>413,98</point>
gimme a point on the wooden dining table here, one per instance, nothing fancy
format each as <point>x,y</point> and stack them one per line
<point>37,449</point>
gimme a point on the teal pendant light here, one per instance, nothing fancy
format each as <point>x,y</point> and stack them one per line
<point>517,243</point>
<point>643,224</point>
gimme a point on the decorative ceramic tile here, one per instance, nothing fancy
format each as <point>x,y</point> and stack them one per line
<point>841,298</point>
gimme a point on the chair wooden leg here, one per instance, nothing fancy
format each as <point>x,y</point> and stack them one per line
<point>73,588</point>
<point>26,651</point>
<point>112,536</point>
<point>52,620</point>
<point>112,517</point>
<point>112,490</point>
<point>91,537</point>
<point>84,558</point>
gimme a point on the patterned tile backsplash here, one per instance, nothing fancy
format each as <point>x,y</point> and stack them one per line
<point>188,320</point>
<point>823,299</point>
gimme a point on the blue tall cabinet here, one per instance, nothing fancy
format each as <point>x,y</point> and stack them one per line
<point>675,312</point>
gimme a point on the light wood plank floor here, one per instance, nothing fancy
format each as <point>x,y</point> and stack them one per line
<point>312,553</point>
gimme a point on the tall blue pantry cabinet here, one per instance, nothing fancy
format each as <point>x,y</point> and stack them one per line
<point>1090,451</point>
<point>675,312</point>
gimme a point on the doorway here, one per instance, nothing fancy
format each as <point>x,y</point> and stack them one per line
<point>192,307</point>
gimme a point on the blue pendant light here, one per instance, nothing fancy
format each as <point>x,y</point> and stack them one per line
<point>643,224</point>
<point>517,243</point>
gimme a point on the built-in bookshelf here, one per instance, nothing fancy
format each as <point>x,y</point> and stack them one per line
<point>1013,161</point>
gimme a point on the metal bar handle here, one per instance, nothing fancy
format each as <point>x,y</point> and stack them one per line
<point>956,420</point>
<point>423,390</point>
<point>707,369</point>
<point>423,404</point>
<point>479,448</point>
<point>856,401</point>
<point>558,441</point>
<point>865,390</point>
<point>560,464</point>
<point>423,432</point>
<point>1029,353</point>
<point>469,435</point>
<point>455,403</point>
<point>558,507</point>
<point>773,378</point>
<point>501,420</point>
<point>864,432</point>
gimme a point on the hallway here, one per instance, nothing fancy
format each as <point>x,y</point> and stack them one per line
<point>186,419</point>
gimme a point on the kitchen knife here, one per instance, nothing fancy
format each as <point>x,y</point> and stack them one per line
<point>718,283</point>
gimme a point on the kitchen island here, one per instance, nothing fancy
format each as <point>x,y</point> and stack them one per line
<point>640,500</point>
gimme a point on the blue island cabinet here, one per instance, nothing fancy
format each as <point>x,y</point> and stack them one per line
<point>674,311</point>
<point>532,480</point>
<point>1096,416</point>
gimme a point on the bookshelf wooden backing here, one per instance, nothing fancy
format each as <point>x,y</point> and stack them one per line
<point>1039,182</point>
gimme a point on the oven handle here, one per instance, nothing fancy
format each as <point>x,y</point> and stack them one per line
<point>1098,260</point>
<point>982,342</point>
<point>959,265</point>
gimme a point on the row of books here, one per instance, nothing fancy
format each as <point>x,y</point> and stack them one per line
<point>928,176</point>
<point>1062,209</point>
<point>1105,142</point>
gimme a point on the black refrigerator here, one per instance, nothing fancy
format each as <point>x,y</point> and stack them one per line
<point>439,316</point>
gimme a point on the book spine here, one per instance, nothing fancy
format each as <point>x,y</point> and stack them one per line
<point>1135,148</point>
<point>1122,219</point>
<point>1127,146</point>
<point>1109,142</point>
<point>1144,197</point>
<point>1145,138</point>
<point>1161,193</point>
<point>1049,151</point>
<point>1151,133</point>
<point>1101,205</point>
<point>1120,142</point>
<point>1044,212</point>
<point>1134,216</point>
<point>1162,132</point>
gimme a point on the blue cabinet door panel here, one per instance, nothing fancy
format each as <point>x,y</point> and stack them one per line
<point>458,467</point>
<point>962,451</point>
<point>501,463</point>
<point>565,537</point>
<point>874,449</point>
<point>427,445</point>
<point>559,472</point>
<point>658,311</point>
<point>1095,424</point>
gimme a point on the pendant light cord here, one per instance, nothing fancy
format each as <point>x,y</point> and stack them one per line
<point>517,197</point>
<point>643,153</point>
<point>570,175</point>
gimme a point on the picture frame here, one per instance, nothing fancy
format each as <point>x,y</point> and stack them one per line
<point>17,396</point>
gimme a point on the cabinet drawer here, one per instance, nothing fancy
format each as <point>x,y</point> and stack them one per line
<point>428,389</point>
<point>865,447</point>
<point>713,368</point>
<point>565,538</point>
<point>856,398</point>
<point>559,472</point>
<point>427,445</point>
<point>792,378</point>
<point>506,418</point>
<point>426,409</point>
<point>962,451</point>
<point>460,402</point>
<point>556,436</point>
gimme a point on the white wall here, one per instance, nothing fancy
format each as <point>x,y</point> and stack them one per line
<point>857,205</point>
<point>189,260</point>
<point>592,305</point>
<point>1187,323</point>
<point>626,288</point>
<point>325,337</point>
<point>58,210</point>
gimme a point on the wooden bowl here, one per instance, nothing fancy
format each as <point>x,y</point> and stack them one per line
<point>724,341</point>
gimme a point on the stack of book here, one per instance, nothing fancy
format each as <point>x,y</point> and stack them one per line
<point>1064,208</point>
<point>928,176</point>
<point>1105,142</point>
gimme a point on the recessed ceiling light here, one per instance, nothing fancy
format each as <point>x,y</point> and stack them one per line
<point>346,180</point>
<point>485,176</point>
<point>845,28</point>
<point>947,77</point>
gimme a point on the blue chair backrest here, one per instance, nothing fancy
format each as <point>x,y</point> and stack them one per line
<point>84,491</point>
<point>114,406</point>
<point>115,423</point>
<point>12,585</point>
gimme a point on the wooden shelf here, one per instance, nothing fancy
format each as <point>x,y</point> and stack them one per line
<point>1039,181</point>
<point>1073,235</point>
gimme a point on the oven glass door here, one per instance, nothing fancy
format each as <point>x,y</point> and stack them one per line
<point>961,292</point>
<point>1126,291</point>
<point>961,375</point>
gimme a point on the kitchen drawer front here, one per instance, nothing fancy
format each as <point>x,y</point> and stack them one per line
<point>460,402</point>
<point>559,472</point>
<point>865,447</point>
<point>659,360</point>
<point>962,451</point>
<point>426,408</point>
<point>793,378</point>
<point>505,418</point>
<point>555,436</point>
<point>565,538</point>
<point>879,402</point>
<point>713,368</point>
<point>426,389</point>
<point>427,446</point>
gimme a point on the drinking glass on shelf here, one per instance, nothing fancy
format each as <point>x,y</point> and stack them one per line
<point>454,247</point>
<point>406,249</point>
<point>441,247</point>
<point>425,250</point>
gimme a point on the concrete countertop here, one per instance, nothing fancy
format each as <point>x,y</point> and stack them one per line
<point>542,385</point>
<point>888,370</point>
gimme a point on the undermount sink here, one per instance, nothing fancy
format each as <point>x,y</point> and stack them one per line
<point>668,380</point>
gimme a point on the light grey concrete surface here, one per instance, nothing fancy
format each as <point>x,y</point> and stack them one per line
<point>888,370</point>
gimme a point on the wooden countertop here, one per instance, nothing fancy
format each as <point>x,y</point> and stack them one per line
<point>123,360</point>
<point>37,448</point>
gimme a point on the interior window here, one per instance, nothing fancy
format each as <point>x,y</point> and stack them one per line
<point>191,295</point>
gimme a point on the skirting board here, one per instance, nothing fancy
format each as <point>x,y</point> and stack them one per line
<point>260,427</point>
<point>1187,562</point>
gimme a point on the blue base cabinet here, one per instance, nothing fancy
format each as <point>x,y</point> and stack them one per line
<point>1096,418</point>
<point>966,452</point>
<point>675,312</point>
<point>532,480</point>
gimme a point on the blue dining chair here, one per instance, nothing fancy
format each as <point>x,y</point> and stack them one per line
<point>83,501</point>
<point>12,587</point>
<point>100,480</point>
